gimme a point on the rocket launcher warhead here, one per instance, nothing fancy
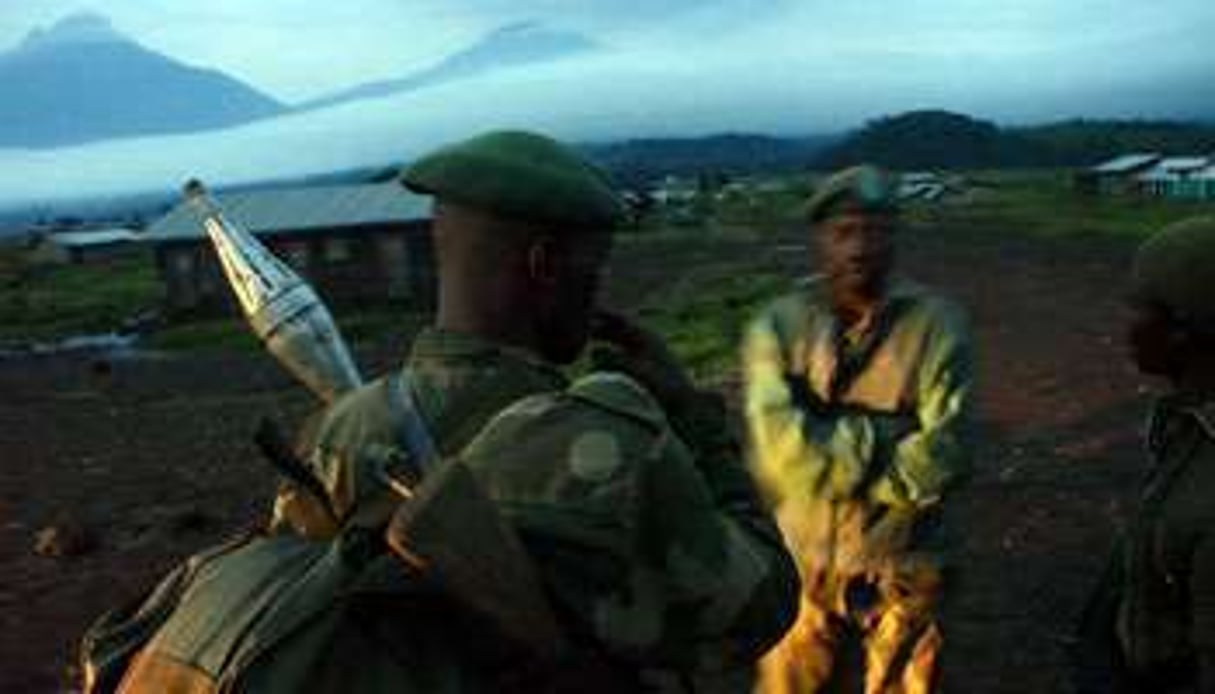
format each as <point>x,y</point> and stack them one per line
<point>284,311</point>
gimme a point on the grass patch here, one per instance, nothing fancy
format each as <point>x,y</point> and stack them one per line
<point>217,335</point>
<point>234,334</point>
<point>705,320</point>
<point>49,302</point>
<point>1045,203</point>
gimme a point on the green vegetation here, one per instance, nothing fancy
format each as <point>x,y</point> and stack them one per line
<point>705,317</point>
<point>1090,141</point>
<point>47,302</point>
<point>234,334</point>
<point>220,334</point>
<point>1045,203</point>
<point>935,139</point>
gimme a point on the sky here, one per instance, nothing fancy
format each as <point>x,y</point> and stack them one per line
<point>668,68</point>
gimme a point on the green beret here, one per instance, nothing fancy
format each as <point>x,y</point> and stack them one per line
<point>518,174</point>
<point>866,187</point>
<point>1176,268</point>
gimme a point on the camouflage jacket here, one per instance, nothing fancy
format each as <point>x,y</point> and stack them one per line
<point>655,554</point>
<point>1165,619</point>
<point>857,437</point>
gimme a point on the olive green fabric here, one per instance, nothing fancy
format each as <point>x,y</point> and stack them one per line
<point>863,187</point>
<point>1161,585</point>
<point>657,556</point>
<point>1176,267</point>
<point>519,174</point>
<point>458,382</point>
<point>856,438</point>
<point>282,614</point>
<point>660,554</point>
<point>114,641</point>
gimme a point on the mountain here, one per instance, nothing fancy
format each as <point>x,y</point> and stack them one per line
<point>638,162</point>
<point>944,140</point>
<point>81,81</point>
<point>1088,142</point>
<point>934,139</point>
<point>511,45</point>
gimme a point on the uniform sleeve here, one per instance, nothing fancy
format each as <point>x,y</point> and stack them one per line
<point>793,448</point>
<point>758,566</point>
<point>937,453</point>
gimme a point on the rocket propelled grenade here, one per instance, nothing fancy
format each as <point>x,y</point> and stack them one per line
<point>284,311</point>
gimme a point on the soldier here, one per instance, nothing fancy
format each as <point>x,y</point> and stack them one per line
<point>649,542</point>
<point>1150,625</point>
<point>858,398</point>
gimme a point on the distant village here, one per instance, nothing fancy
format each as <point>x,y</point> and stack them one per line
<point>366,241</point>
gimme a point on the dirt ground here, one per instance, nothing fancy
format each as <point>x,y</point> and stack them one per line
<point>154,455</point>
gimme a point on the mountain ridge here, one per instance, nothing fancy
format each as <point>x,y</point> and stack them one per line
<point>81,81</point>
<point>514,44</point>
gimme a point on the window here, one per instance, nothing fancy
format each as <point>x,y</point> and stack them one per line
<point>337,250</point>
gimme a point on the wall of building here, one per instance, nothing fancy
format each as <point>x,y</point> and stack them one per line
<point>351,266</point>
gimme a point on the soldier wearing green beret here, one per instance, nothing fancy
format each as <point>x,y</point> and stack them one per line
<point>1150,625</point>
<point>858,397</point>
<point>650,549</point>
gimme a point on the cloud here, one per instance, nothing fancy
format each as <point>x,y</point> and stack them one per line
<point>788,68</point>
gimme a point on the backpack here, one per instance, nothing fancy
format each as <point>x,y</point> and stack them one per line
<point>221,610</point>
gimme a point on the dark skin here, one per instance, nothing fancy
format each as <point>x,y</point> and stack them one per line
<point>1163,346</point>
<point>856,253</point>
<point>526,285</point>
<point>517,282</point>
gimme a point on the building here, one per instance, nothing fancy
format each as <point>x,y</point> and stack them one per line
<point>354,243</point>
<point>1175,177</point>
<point>86,245</point>
<point>920,185</point>
<point>1204,183</point>
<point>1118,175</point>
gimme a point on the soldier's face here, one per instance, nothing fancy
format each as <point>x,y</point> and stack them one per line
<point>1153,338</point>
<point>856,251</point>
<point>579,265</point>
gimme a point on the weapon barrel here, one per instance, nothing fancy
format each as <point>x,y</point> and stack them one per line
<point>284,311</point>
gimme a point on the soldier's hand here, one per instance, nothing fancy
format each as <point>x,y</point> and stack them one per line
<point>631,349</point>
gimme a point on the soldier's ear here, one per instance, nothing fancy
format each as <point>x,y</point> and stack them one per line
<point>542,261</point>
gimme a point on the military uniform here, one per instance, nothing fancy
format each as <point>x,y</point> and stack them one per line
<point>857,434</point>
<point>644,528</point>
<point>856,440</point>
<point>1150,624</point>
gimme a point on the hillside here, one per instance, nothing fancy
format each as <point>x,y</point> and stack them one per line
<point>650,158</point>
<point>937,139</point>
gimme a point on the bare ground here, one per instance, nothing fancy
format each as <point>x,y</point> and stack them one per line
<point>154,455</point>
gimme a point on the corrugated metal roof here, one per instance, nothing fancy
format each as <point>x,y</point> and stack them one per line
<point>318,208</point>
<point>1126,162</point>
<point>93,237</point>
<point>1171,168</point>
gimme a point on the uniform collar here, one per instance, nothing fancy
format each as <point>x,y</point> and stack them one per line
<point>898,290</point>
<point>446,345</point>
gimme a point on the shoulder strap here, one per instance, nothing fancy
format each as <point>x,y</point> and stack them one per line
<point>413,436</point>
